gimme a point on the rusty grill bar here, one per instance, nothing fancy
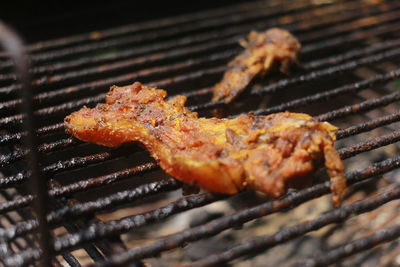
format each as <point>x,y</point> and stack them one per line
<point>175,54</point>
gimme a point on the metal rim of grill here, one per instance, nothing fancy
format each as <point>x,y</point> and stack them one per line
<point>173,53</point>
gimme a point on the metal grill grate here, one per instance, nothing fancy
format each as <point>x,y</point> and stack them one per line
<point>100,196</point>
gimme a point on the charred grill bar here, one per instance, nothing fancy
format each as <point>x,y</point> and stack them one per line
<point>174,54</point>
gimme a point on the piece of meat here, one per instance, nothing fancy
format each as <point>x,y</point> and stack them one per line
<point>262,51</point>
<point>266,153</point>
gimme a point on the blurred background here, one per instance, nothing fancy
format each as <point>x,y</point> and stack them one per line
<point>38,20</point>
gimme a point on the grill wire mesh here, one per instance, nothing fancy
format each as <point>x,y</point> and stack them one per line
<point>112,207</point>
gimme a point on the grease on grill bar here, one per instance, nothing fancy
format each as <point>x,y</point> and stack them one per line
<point>110,206</point>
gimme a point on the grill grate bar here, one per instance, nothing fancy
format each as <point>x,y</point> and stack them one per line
<point>23,258</point>
<point>370,145</point>
<point>354,53</point>
<point>11,138</point>
<point>70,164</point>
<point>326,96</point>
<point>264,242</point>
<point>90,249</point>
<point>71,260</point>
<point>367,126</point>
<point>59,166</point>
<point>24,227</point>
<point>370,241</point>
<point>360,107</point>
<point>29,241</point>
<point>20,153</point>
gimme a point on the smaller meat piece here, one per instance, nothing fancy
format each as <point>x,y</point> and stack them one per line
<point>262,51</point>
<point>265,153</point>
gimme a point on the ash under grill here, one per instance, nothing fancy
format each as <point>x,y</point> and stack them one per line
<point>114,207</point>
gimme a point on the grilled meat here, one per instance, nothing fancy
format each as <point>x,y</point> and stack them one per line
<point>262,51</point>
<point>265,153</point>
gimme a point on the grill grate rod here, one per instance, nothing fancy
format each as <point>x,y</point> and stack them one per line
<point>261,243</point>
<point>360,107</point>
<point>6,250</point>
<point>71,260</point>
<point>370,144</point>
<point>346,250</point>
<point>351,54</point>
<point>110,201</point>
<point>326,96</point>
<point>70,164</point>
<point>15,137</point>
<point>29,241</point>
<point>367,126</point>
<point>20,153</point>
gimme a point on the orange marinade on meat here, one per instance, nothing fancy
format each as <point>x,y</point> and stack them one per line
<point>262,51</point>
<point>266,153</point>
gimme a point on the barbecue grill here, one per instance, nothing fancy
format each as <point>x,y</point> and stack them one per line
<point>68,203</point>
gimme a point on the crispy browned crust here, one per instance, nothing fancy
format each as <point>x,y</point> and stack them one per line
<point>262,51</point>
<point>265,153</point>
